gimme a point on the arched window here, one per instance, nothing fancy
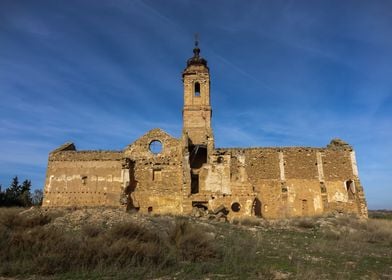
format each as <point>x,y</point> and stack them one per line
<point>197,89</point>
<point>350,187</point>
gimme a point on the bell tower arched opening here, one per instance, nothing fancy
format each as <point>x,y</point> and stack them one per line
<point>197,89</point>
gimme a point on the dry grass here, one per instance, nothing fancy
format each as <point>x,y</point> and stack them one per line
<point>372,230</point>
<point>166,247</point>
<point>306,222</point>
<point>379,230</point>
<point>191,242</point>
<point>369,230</point>
<point>10,219</point>
<point>246,221</point>
<point>250,221</point>
<point>47,250</point>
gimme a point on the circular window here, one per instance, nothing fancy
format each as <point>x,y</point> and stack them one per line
<point>155,147</point>
<point>236,207</point>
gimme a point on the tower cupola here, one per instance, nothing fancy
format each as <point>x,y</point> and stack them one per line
<point>196,59</point>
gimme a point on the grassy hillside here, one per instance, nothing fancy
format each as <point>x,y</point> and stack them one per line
<point>112,244</point>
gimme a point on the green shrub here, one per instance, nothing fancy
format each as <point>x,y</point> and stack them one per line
<point>381,214</point>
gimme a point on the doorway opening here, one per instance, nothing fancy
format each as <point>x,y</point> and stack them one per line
<point>257,207</point>
<point>197,157</point>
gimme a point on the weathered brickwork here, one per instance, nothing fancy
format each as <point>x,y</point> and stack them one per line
<point>90,178</point>
<point>161,174</point>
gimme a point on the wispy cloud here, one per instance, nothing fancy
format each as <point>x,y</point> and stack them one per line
<point>283,74</point>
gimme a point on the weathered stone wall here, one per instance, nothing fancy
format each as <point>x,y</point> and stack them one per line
<point>302,181</point>
<point>286,182</point>
<point>300,163</point>
<point>270,182</point>
<point>339,168</point>
<point>83,178</point>
<point>157,177</point>
<point>300,185</point>
<point>337,165</point>
<point>215,177</point>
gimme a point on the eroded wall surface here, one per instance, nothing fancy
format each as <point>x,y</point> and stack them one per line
<point>304,181</point>
<point>83,178</point>
<point>223,184</point>
<point>157,183</point>
<point>267,182</point>
<point>283,182</point>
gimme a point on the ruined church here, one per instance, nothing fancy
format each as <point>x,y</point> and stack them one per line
<point>161,174</point>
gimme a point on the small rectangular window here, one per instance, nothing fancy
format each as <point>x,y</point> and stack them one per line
<point>157,175</point>
<point>84,179</point>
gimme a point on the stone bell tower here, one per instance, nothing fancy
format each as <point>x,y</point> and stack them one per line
<point>197,107</point>
<point>196,115</point>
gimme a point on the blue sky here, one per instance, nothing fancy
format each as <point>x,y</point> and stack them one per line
<point>284,73</point>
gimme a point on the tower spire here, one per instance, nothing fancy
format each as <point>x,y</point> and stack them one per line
<point>196,59</point>
<point>196,40</point>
